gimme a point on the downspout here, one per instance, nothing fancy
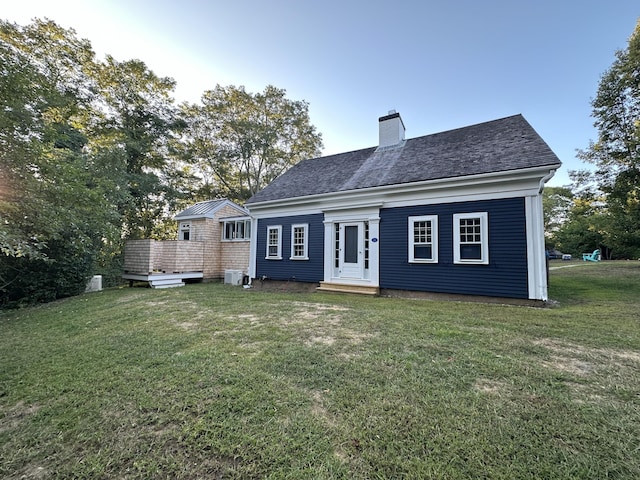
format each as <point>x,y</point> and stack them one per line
<point>545,179</point>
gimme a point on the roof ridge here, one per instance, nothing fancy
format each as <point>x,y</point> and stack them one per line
<point>504,144</point>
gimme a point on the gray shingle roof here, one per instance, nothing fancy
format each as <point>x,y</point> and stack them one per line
<point>500,145</point>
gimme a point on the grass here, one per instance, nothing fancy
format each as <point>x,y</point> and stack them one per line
<point>212,381</point>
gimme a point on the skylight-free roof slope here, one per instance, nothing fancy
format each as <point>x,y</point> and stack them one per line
<point>496,146</point>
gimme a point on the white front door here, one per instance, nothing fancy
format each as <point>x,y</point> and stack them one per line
<point>351,254</point>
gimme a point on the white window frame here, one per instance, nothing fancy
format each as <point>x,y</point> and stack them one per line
<point>433,219</point>
<point>484,238</point>
<point>185,227</point>
<point>305,239</point>
<point>235,238</point>
<point>278,229</point>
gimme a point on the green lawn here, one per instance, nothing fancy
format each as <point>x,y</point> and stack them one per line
<point>213,381</point>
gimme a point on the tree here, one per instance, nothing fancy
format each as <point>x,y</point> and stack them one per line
<point>616,153</point>
<point>54,218</point>
<point>93,152</point>
<point>584,227</point>
<point>86,158</point>
<point>556,203</point>
<point>239,142</point>
<point>137,127</point>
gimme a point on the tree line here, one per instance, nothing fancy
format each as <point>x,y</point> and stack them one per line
<point>95,151</point>
<point>601,207</point>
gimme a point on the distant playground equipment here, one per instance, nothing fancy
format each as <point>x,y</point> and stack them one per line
<point>591,257</point>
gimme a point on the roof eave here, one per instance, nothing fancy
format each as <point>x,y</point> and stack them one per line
<point>536,174</point>
<point>211,213</point>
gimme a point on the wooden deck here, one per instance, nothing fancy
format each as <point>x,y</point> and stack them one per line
<point>163,264</point>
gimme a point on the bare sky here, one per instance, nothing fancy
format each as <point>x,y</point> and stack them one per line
<point>442,64</point>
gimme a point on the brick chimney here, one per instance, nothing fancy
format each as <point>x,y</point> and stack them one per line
<point>391,129</point>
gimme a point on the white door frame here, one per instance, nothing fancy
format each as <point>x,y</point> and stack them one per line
<point>355,273</point>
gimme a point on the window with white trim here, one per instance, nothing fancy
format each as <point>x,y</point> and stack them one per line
<point>236,230</point>
<point>423,239</point>
<point>299,241</point>
<point>184,231</point>
<point>471,238</point>
<point>274,242</point>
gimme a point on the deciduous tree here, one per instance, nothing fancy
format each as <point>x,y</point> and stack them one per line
<point>616,152</point>
<point>240,141</point>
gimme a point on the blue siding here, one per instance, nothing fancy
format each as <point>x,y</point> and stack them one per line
<point>311,270</point>
<point>506,274</point>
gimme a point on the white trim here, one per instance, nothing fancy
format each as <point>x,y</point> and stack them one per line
<point>496,185</point>
<point>239,217</point>
<point>211,213</point>
<point>329,250</point>
<point>536,259</point>
<point>355,214</point>
<point>253,249</point>
<point>305,255</point>
<point>374,250</point>
<point>244,220</point>
<point>278,255</point>
<point>484,238</point>
<point>433,219</point>
<point>514,185</point>
<point>351,270</point>
<point>185,227</point>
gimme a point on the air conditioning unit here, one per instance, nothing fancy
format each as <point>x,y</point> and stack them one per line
<point>233,277</point>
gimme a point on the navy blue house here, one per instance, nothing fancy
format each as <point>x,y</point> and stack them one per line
<point>457,212</point>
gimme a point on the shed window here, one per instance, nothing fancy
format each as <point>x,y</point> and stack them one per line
<point>274,242</point>
<point>184,232</point>
<point>471,238</point>
<point>299,242</point>
<point>423,239</point>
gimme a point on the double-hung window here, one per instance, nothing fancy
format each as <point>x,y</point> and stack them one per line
<point>470,238</point>
<point>274,242</point>
<point>300,242</point>
<point>423,239</point>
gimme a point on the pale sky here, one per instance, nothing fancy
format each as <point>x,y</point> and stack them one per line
<point>442,64</point>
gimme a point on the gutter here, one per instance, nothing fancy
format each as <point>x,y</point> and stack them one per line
<point>442,183</point>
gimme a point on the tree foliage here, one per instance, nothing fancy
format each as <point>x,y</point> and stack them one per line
<point>556,204</point>
<point>85,160</point>
<point>136,127</point>
<point>53,210</point>
<point>584,219</point>
<point>616,153</point>
<point>96,151</point>
<point>239,142</point>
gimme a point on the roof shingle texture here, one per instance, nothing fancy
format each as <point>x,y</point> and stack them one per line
<point>497,146</point>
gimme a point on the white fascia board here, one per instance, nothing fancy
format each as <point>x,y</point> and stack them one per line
<point>516,183</point>
<point>193,217</point>
<point>241,217</point>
